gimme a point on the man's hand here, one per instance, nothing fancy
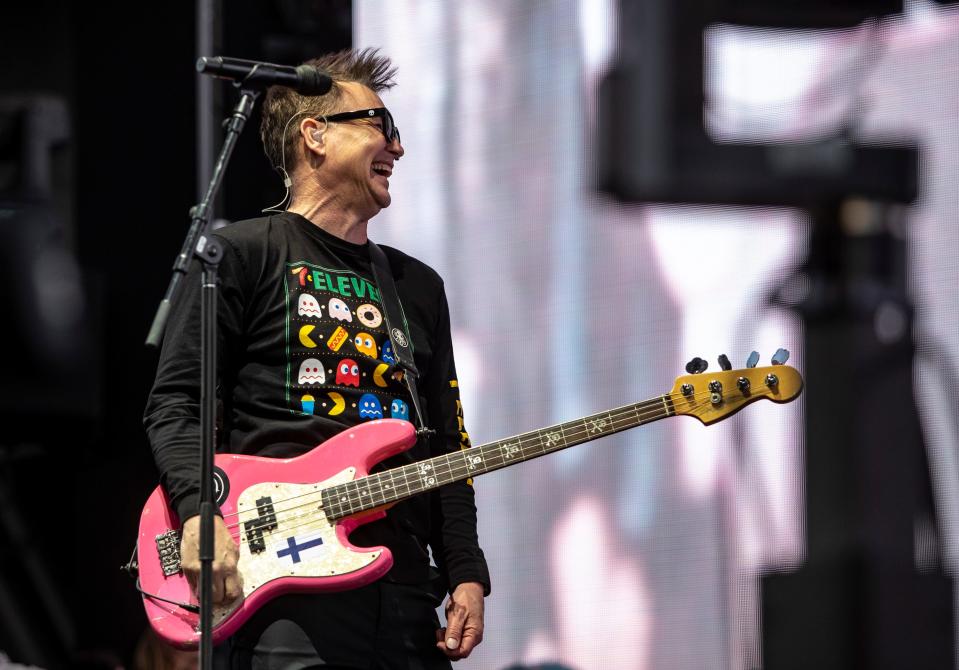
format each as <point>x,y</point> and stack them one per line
<point>464,621</point>
<point>226,580</point>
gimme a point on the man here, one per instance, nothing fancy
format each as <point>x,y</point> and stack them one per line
<point>302,349</point>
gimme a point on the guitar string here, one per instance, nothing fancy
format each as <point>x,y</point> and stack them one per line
<point>312,517</point>
<point>524,439</point>
<point>631,413</point>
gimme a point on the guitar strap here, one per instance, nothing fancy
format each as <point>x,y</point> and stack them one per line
<point>397,327</point>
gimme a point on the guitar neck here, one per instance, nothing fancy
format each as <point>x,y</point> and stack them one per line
<point>393,485</point>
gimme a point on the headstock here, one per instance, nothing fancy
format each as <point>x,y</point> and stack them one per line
<point>713,396</point>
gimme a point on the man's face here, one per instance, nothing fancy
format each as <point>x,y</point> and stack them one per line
<point>359,160</point>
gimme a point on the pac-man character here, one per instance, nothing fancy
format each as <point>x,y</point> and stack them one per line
<point>306,305</point>
<point>370,407</point>
<point>399,410</point>
<point>348,373</point>
<point>311,372</point>
<point>387,353</point>
<point>305,338</point>
<point>339,310</point>
<point>339,404</point>
<point>378,375</point>
<point>365,344</point>
<point>308,402</point>
<point>369,315</point>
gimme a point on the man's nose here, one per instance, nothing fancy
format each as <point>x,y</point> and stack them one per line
<point>395,147</point>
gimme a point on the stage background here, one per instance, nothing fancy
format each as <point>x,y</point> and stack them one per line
<point>644,550</point>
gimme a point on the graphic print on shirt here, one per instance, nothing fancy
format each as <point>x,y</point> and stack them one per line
<point>339,359</point>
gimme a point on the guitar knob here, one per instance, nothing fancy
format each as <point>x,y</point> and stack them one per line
<point>697,365</point>
<point>724,362</point>
<point>780,357</point>
<point>752,360</point>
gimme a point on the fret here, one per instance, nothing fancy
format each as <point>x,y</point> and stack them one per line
<point>363,491</point>
<point>669,410</point>
<point>551,440</point>
<point>328,501</point>
<point>597,425</point>
<point>474,461</point>
<point>343,499</point>
<point>411,483</point>
<point>443,463</point>
<point>461,460</point>
<point>388,486</point>
<point>353,493</point>
<point>496,452</point>
<point>510,451</point>
<point>427,476</point>
<point>404,482</point>
<point>376,489</point>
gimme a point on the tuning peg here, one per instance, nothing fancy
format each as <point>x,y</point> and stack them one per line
<point>724,362</point>
<point>780,357</point>
<point>697,365</point>
<point>752,360</point>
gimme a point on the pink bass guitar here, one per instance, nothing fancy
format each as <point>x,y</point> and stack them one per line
<point>292,517</point>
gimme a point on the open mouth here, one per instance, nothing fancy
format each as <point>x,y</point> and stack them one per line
<point>382,169</point>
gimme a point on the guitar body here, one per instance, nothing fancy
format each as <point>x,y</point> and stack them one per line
<point>286,543</point>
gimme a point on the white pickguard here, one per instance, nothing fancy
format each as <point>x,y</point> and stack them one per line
<point>314,545</point>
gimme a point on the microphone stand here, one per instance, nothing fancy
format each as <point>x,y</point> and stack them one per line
<point>199,243</point>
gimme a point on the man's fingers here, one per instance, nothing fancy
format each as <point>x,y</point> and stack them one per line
<point>193,579</point>
<point>455,618</point>
<point>232,587</point>
<point>226,582</point>
<point>470,640</point>
<point>217,589</point>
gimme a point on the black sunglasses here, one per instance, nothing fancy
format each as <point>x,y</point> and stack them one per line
<point>390,131</point>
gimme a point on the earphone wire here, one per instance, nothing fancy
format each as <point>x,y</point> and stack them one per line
<point>287,200</point>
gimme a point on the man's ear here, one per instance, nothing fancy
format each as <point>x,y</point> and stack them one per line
<point>313,132</point>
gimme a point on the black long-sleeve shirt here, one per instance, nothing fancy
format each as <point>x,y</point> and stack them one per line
<point>303,352</point>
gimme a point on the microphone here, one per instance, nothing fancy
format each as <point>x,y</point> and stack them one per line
<point>304,79</point>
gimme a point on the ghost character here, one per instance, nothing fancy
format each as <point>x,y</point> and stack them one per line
<point>307,305</point>
<point>399,410</point>
<point>311,372</point>
<point>348,373</point>
<point>370,407</point>
<point>308,402</point>
<point>387,353</point>
<point>365,345</point>
<point>339,310</point>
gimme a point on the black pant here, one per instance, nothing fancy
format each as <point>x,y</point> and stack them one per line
<point>382,626</point>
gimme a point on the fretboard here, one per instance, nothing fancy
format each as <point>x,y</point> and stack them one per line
<point>388,487</point>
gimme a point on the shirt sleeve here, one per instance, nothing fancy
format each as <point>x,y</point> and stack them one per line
<point>172,414</point>
<point>454,540</point>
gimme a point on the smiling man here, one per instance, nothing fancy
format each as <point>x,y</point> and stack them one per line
<point>304,353</point>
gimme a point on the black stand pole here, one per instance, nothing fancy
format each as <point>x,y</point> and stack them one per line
<point>866,596</point>
<point>208,251</point>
